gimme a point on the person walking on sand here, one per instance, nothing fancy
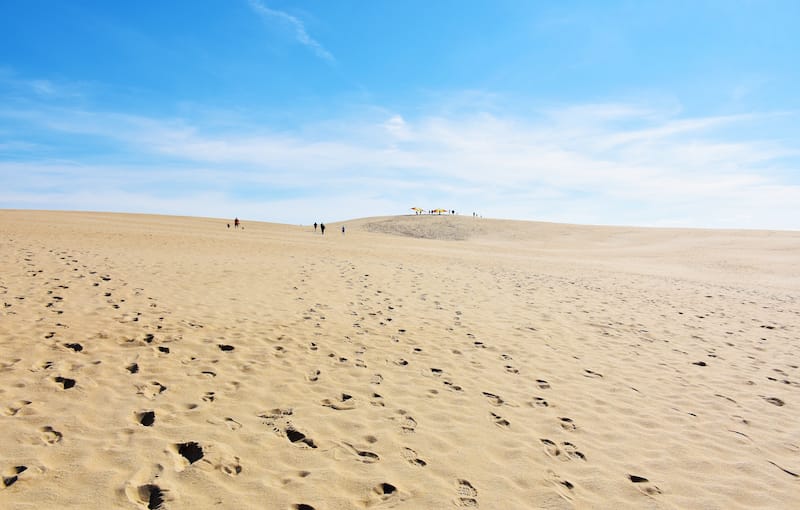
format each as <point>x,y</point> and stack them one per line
<point>236,223</point>
<point>315,226</point>
<point>342,229</point>
<point>322,228</point>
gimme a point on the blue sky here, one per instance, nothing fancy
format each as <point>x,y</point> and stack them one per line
<point>627,113</point>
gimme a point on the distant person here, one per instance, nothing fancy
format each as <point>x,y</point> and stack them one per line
<point>322,228</point>
<point>315,226</point>
<point>236,223</point>
<point>342,229</point>
<point>229,225</point>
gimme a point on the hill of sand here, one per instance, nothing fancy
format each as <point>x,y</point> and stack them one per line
<point>415,362</point>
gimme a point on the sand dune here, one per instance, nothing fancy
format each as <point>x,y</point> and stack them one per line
<point>415,362</point>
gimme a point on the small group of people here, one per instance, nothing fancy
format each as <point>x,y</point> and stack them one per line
<point>237,223</point>
<point>433,211</point>
<point>322,228</point>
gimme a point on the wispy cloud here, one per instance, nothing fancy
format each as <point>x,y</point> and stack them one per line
<point>299,28</point>
<point>608,164</point>
<point>20,87</point>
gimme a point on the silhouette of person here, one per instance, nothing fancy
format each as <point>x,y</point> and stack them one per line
<point>322,228</point>
<point>342,229</point>
<point>236,223</point>
<point>315,226</point>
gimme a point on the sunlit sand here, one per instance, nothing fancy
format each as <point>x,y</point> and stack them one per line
<point>413,362</point>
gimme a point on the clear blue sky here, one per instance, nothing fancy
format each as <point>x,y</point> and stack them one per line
<point>626,112</point>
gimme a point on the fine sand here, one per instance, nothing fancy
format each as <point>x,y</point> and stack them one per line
<point>415,362</point>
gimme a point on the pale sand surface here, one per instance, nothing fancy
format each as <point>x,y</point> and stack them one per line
<point>416,362</point>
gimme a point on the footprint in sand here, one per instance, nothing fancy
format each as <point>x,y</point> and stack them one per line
<point>543,385</point>
<point>571,451</point>
<point>146,418</point>
<point>495,400</point>
<point>299,439</point>
<point>407,424</point>
<point>297,474</point>
<point>343,403</point>
<point>49,435</point>
<point>539,402</point>
<point>190,452</point>
<point>232,424</point>
<point>567,423</point>
<point>644,485</point>
<point>550,448</point>
<point>567,451</point>
<point>775,401</point>
<point>270,417</point>
<point>65,382</point>
<point>411,457</point>
<point>453,387</point>
<point>563,487</point>
<point>364,456</point>
<point>278,420</point>
<point>313,376</point>
<point>384,493</point>
<point>147,494</point>
<point>466,494</point>
<point>500,421</point>
<point>11,475</point>
<point>16,407</point>
<point>232,468</point>
<point>377,400</point>
<point>151,390</point>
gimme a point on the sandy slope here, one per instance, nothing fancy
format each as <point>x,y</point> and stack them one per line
<point>171,362</point>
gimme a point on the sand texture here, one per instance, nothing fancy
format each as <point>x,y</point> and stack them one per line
<point>415,362</point>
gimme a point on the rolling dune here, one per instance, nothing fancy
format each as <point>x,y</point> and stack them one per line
<point>415,362</point>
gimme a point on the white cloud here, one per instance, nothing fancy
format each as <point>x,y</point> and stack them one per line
<point>300,33</point>
<point>397,127</point>
<point>578,165</point>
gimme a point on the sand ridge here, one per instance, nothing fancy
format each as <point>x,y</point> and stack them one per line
<point>164,362</point>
